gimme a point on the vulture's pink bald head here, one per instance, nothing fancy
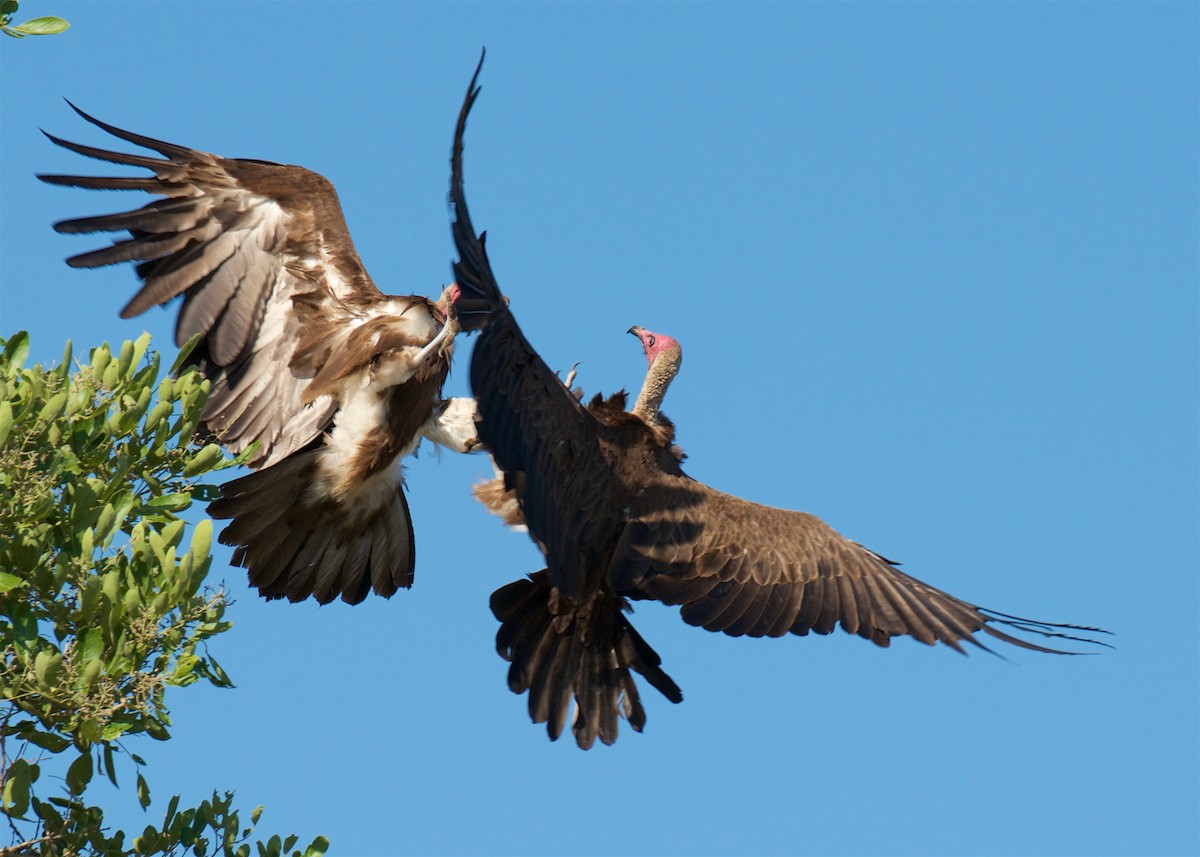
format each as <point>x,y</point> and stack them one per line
<point>449,298</point>
<point>654,343</point>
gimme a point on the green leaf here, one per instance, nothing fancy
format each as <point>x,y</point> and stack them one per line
<point>184,674</point>
<point>24,626</point>
<point>139,350</point>
<point>15,352</point>
<point>46,667</point>
<point>45,740</point>
<point>124,361</point>
<point>90,674</point>
<point>46,26</point>
<point>318,847</point>
<point>16,787</point>
<point>172,533</point>
<point>201,540</point>
<point>172,806</point>
<point>9,582</point>
<point>53,407</point>
<point>114,729</point>
<point>87,543</point>
<point>204,460</point>
<point>185,351</point>
<point>88,599</point>
<point>50,817</point>
<point>156,730</point>
<point>80,773</point>
<point>156,415</point>
<point>87,734</point>
<point>110,584</point>
<point>143,791</point>
<point>92,648</point>
<point>242,457</point>
<point>218,676</point>
<point>110,767</point>
<point>64,366</point>
<point>104,524</point>
<point>6,421</point>
<point>112,373</point>
<point>206,493</point>
<point>8,7</point>
<point>176,502</point>
<point>100,359</point>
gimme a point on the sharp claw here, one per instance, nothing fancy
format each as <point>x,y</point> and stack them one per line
<point>571,375</point>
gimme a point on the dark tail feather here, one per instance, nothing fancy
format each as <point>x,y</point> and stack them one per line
<point>563,653</point>
<point>296,549</point>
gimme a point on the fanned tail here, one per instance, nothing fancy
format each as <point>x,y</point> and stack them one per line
<point>295,546</point>
<point>562,652</point>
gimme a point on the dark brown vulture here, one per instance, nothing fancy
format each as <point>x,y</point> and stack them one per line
<point>601,491</point>
<point>333,379</point>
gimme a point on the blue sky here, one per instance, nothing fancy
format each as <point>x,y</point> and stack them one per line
<point>934,268</point>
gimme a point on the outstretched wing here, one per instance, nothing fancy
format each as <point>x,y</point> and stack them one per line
<point>547,444</point>
<point>748,569</point>
<point>239,240</point>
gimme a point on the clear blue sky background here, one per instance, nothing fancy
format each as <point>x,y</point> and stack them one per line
<point>934,268</point>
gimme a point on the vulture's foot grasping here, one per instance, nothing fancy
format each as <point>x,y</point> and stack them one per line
<point>571,375</point>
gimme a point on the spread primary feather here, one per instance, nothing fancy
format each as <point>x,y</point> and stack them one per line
<point>334,381</point>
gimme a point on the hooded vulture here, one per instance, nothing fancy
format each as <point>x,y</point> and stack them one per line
<point>603,496</point>
<point>333,380</point>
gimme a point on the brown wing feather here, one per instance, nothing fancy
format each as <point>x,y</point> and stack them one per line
<point>238,240</point>
<point>747,569</point>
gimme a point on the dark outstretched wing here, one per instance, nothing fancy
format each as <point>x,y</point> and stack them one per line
<point>238,240</point>
<point>744,568</point>
<point>564,632</point>
<point>545,441</point>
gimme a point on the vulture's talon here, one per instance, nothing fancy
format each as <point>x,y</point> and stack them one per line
<point>571,375</point>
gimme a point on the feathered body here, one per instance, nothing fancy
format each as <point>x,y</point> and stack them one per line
<point>604,497</point>
<point>335,381</point>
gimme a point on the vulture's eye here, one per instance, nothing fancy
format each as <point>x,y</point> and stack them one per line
<point>651,341</point>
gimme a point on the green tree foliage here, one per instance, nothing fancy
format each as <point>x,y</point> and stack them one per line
<point>45,26</point>
<point>101,599</point>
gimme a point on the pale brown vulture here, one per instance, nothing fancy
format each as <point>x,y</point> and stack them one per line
<point>333,379</point>
<point>603,496</point>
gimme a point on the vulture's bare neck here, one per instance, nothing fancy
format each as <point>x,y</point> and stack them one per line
<point>658,378</point>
